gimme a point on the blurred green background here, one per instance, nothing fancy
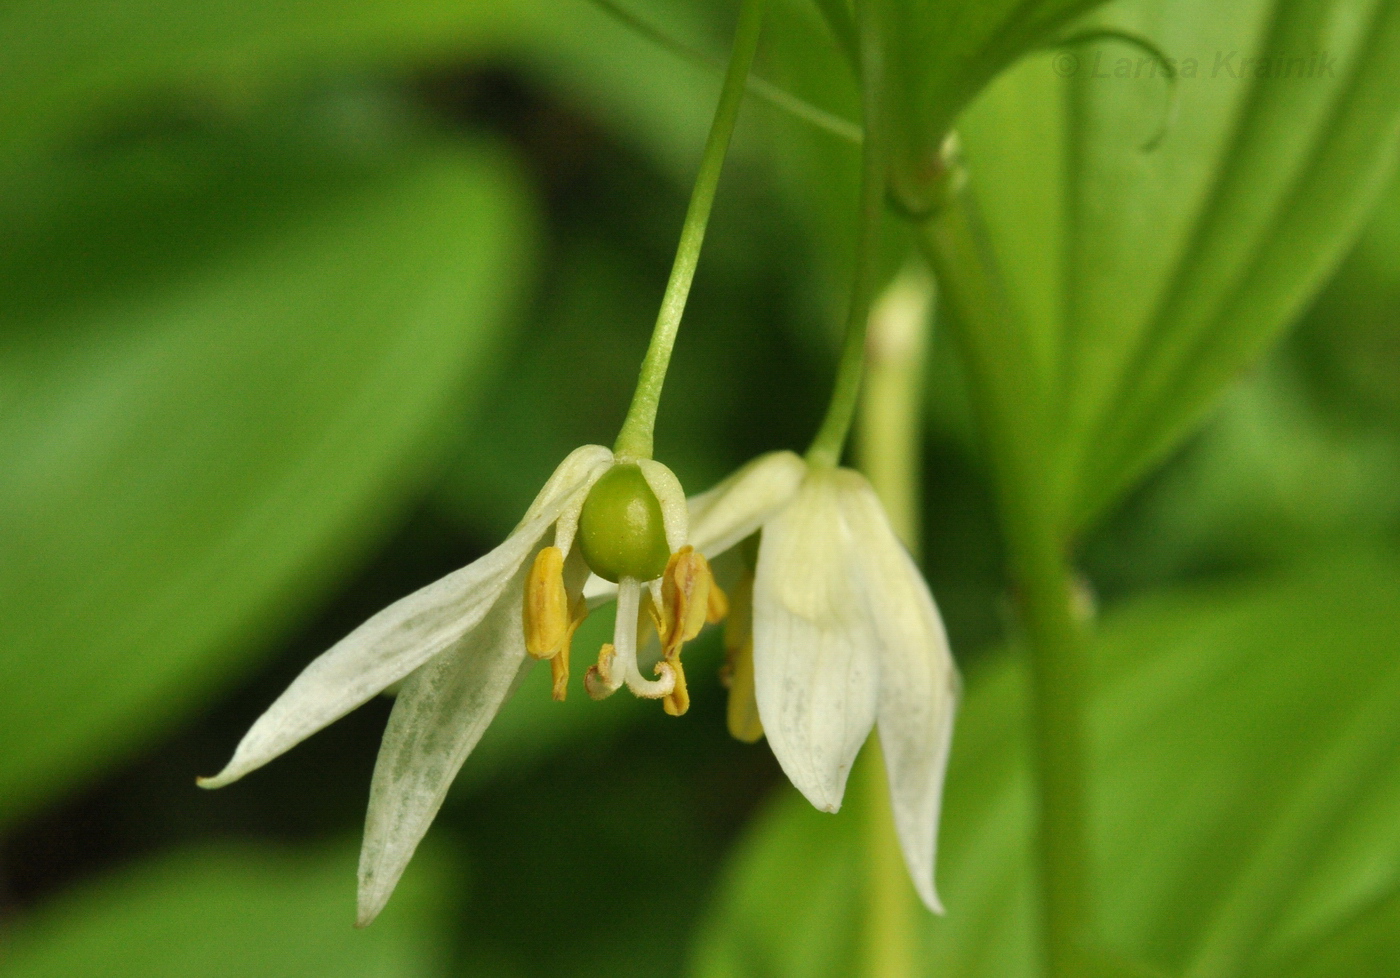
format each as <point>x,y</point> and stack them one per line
<point>300,302</point>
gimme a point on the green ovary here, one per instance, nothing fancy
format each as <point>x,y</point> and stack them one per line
<point>621,531</point>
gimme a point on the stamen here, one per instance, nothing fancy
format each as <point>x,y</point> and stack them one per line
<point>717,608</point>
<point>559,665</point>
<point>685,590</point>
<point>549,622</point>
<point>742,711</point>
<point>687,599</point>
<point>546,610</point>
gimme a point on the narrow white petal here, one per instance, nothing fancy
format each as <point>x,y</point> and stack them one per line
<point>582,467</point>
<point>724,515</point>
<point>675,516</point>
<point>406,634</point>
<point>815,672</point>
<point>439,716</point>
<point>918,682</point>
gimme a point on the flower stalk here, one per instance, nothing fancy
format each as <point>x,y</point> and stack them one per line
<point>1011,406</point>
<point>826,447</point>
<point>635,438</point>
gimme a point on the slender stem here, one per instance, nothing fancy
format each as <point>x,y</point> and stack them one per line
<point>890,932</point>
<point>891,435</point>
<point>779,98</point>
<point>889,423</point>
<point>1010,402</point>
<point>826,447</point>
<point>635,438</point>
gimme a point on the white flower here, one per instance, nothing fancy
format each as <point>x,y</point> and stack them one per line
<point>845,635</point>
<point>462,644</point>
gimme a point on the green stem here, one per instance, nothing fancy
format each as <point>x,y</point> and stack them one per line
<point>826,447</point>
<point>889,935</point>
<point>890,438</point>
<point>635,438</point>
<point>779,98</point>
<point>889,424</point>
<point>1011,406</point>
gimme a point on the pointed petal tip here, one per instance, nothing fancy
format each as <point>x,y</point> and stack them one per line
<point>224,777</point>
<point>372,899</point>
<point>822,797</point>
<point>929,897</point>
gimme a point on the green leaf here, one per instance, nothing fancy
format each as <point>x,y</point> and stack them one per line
<point>225,368</point>
<point>1150,278</point>
<point>941,55</point>
<point>1349,341</point>
<point>1269,477</point>
<point>79,67</point>
<point>789,902</point>
<point>232,912</point>
<point>1243,796</point>
<point>1363,945</point>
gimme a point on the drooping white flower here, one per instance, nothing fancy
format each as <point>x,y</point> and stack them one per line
<point>844,635</point>
<point>462,644</point>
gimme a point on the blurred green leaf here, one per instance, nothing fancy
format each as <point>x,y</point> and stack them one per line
<point>1270,476</point>
<point>1245,787</point>
<point>79,66</point>
<point>1362,945</point>
<point>232,912</point>
<point>1350,341</point>
<point>224,369</point>
<point>1149,277</point>
<point>788,908</point>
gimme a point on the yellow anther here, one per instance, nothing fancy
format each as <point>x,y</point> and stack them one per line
<point>742,713</point>
<point>685,595</point>
<point>717,609</point>
<point>559,665</point>
<point>689,598</point>
<point>547,618</point>
<point>549,623</point>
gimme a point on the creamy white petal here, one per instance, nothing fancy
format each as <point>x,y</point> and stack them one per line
<point>675,516</point>
<point>918,682</point>
<point>734,509</point>
<point>582,467</point>
<point>594,460</point>
<point>815,669</point>
<point>440,714</point>
<point>408,633</point>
